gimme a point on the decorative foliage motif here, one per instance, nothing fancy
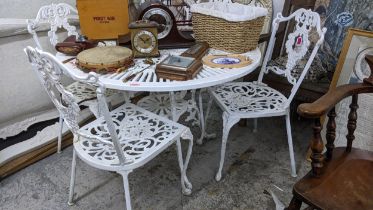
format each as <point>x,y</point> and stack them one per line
<point>298,42</point>
<point>250,97</point>
<point>56,15</point>
<point>315,72</point>
<point>140,135</point>
<point>344,19</point>
<point>50,74</point>
<point>83,92</point>
<point>160,104</point>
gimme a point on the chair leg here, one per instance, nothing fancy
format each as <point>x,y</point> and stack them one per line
<point>59,141</point>
<point>295,204</point>
<point>290,143</point>
<point>126,188</point>
<point>186,186</point>
<point>228,122</point>
<point>72,179</point>
<point>255,129</point>
<point>185,183</point>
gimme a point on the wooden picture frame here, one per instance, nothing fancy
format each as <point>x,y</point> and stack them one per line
<point>343,70</point>
<point>356,42</point>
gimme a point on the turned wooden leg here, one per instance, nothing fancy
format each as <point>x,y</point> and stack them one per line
<point>295,204</point>
<point>330,134</point>
<point>317,147</point>
<point>351,125</point>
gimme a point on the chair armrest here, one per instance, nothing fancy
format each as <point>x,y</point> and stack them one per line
<point>331,98</point>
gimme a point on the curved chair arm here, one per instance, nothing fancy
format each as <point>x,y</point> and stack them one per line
<point>321,106</point>
<point>332,97</point>
<point>326,104</point>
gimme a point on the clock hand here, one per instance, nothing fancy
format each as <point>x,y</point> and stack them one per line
<point>142,39</point>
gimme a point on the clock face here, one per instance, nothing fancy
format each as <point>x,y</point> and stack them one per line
<point>144,41</point>
<point>163,18</point>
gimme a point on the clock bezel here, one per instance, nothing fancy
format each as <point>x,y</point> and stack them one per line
<point>165,14</point>
<point>144,50</point>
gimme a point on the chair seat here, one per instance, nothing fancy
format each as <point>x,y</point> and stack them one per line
<point>249,99</point>
<point>347,180</point>
<point>142,136</point>
<point>84,92</point>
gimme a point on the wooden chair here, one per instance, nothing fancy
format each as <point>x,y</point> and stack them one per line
<point>342,177</point>
<point>244,100</point>
<point>121,140</point>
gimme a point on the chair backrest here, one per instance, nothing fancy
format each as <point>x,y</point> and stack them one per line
<point>296,45</point>
<point>51,72</point>
<point>56,15</point>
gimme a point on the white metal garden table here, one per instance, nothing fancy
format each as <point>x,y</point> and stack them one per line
<point>147,80</point>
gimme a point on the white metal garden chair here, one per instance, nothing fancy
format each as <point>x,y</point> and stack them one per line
<point>56,16</point>
<point>121,140</point>
<point>255,99</point>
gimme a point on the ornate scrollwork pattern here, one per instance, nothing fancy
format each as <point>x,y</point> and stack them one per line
<point>160,104</point>
<point>250,97</point>
<point>50,74</point>
<point>84,92</point>
<point>298,42</point>
<point>56,15</point>
<point>141,133</point>
<point>81,91</point>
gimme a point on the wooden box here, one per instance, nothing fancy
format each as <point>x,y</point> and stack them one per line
<point>102,19</point>
<point>181,71</point>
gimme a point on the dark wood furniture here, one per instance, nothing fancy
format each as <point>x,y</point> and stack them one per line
<point>342,177</point>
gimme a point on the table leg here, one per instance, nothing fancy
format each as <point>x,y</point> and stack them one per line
<point>203,118</point>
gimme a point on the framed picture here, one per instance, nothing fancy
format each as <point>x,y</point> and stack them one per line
<point>352,68</point>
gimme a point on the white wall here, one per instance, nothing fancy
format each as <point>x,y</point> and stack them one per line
<point>21,94</point>
<point>25,8</point>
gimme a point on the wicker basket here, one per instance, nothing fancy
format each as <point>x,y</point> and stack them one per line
<point>230,36</point>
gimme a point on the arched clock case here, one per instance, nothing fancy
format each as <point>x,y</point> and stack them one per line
<point>168,34</point>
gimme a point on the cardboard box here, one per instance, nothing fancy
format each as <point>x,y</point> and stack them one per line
<point>103,19</point>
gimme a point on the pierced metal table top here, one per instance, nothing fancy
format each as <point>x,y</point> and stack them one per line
<point>147,80</point>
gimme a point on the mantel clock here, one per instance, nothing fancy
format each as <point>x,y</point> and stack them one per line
<point>144,39</point>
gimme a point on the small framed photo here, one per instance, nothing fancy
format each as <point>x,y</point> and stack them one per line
<point>178,68</point>
<point>178,62</point>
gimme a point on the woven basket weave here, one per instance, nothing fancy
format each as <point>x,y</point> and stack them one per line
<point>234,37</point>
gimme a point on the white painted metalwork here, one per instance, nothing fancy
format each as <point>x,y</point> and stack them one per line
<point>148,81</point>
<point>121,140</point>
<point>160,104</point>
<point>56,15</point>
<point>255,99</point>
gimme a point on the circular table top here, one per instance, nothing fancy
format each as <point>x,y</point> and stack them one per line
<point>148,81</point>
